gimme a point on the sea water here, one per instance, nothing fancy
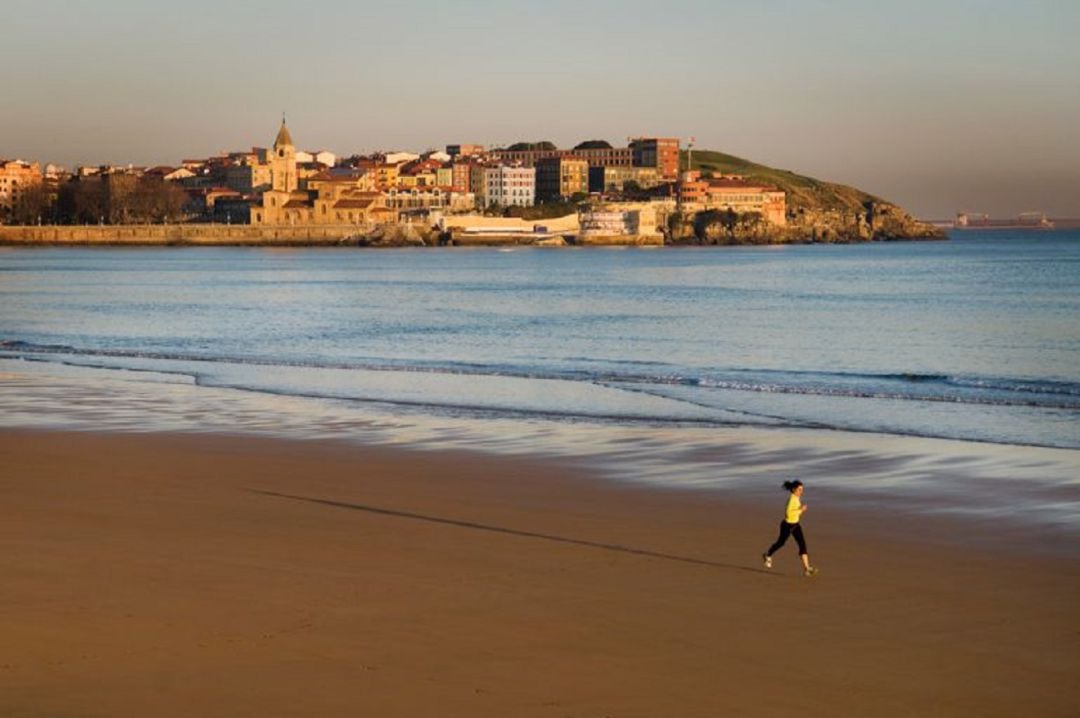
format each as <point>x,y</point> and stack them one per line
<point>976,339</point>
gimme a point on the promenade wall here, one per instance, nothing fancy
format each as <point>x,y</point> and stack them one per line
<point>260,235</point>
<point>173,234</point>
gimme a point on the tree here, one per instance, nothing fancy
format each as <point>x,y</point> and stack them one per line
<point>82,201</point>
<point>593,145</point>
<point>156,200</point>
<point>31,206</point>
<point>543,145</point>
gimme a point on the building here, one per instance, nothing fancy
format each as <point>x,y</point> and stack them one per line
<point>16,177</point>
<point>561,178</point>
<point>329,197</point>
<point>456,151</point>
<point>460,174</point>
<point>600,222</point>
<point>660,153</point>
<point>397,158</point>
<point>614,179</point>
<point>734,193</point>
<point>282,202</point>
<point>170,174</point>
<point>509,186</point>
<point>427,199</point>
<point>246,178</point>
<point>419,173</point>
<point>323,157</point>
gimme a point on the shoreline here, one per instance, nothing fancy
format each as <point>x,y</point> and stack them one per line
<point>236,235</point>
<point>172,574</point>
<point>1020,498</point>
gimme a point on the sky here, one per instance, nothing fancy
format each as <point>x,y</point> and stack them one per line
<point>939,106</point>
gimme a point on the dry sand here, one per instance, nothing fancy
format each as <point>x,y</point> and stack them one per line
<point>186,575</point>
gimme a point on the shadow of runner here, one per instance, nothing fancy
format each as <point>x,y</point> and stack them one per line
<point>510,532</point>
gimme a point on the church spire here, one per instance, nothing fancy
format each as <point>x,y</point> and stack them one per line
<point>283,137</point>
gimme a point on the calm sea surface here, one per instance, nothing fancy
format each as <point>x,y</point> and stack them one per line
<point>976,339</point>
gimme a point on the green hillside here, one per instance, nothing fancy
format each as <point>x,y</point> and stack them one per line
<point>802,192</point>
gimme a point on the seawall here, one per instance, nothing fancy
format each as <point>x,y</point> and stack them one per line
<point>255,236</point>
<point>175,234</point>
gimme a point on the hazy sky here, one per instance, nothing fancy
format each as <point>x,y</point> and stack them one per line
<point>940,106</point>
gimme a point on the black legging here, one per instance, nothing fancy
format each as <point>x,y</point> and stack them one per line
<point>786,530</point>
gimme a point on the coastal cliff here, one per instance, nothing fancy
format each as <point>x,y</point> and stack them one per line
<point>817,211</point>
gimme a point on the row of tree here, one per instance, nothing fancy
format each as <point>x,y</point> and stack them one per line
<point>106,199</point>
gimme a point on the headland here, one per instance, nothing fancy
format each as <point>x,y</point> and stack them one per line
<point>653,191</point>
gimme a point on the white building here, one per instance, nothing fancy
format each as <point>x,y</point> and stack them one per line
<point>396,158</point>
<point>510,186</point>
<point>325,157</point>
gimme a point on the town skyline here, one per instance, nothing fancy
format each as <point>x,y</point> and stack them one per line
<point>938,107</point>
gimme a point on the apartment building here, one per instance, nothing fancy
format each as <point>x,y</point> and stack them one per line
<point>661,153</point>
<point>509,186</point>
<point>16,177</point>
<point>561,177</point>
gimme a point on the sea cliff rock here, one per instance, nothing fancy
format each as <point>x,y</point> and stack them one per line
<point>876,221</point>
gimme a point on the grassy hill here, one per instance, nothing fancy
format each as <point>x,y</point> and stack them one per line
<point>802,192</point>
<point>817,210</point>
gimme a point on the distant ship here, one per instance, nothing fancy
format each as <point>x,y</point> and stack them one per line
<point>1024,220</point>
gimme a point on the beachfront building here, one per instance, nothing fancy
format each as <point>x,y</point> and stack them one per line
<point>734,193</point>
<point>561,177</point>
<point>509,186</point>
<point>16,178</point>
<point>426,199</point>
<point>640,220</point>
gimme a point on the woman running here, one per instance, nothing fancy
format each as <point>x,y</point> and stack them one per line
<point>790,527</point>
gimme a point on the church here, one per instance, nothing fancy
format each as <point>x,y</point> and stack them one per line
<point>324,199</point>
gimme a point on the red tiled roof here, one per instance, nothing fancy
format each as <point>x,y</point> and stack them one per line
<point>353,204</point>
<point>738,184</point>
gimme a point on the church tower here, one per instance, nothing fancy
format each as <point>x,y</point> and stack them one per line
<point>283,161</point>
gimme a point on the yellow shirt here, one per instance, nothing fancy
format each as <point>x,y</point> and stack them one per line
<point>794,510</point>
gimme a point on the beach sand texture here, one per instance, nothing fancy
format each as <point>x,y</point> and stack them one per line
<point>196,575</point>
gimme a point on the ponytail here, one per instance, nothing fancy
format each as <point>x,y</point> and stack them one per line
<point>792,485</point>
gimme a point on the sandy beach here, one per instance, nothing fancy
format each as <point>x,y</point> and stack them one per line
<point>179,575</point>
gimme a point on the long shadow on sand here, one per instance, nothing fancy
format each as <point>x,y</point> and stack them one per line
<point>510,532</point>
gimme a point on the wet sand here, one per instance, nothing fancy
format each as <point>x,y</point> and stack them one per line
<point>180,575</point>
